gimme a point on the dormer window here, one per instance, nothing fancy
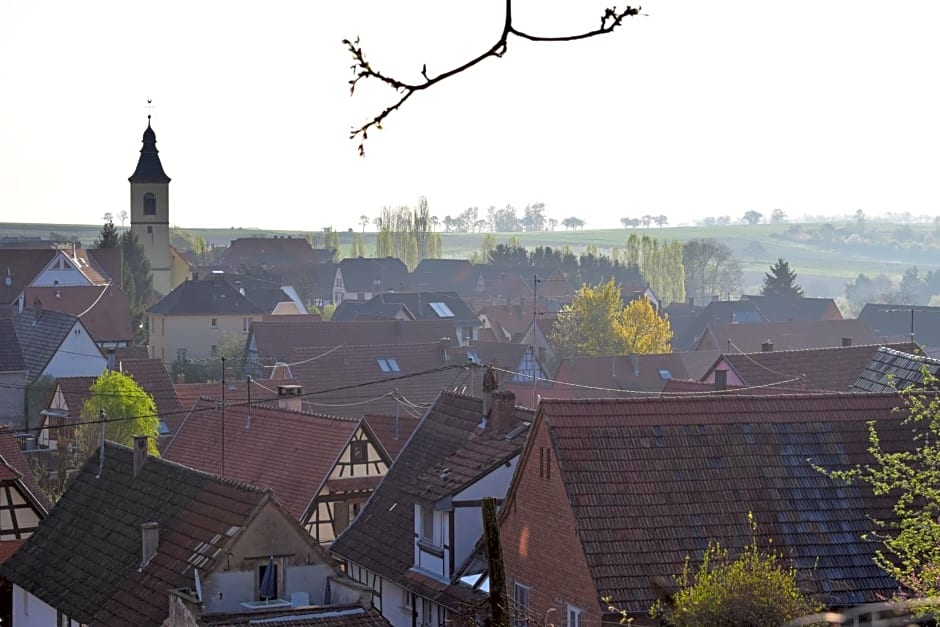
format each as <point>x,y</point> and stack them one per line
<point>150,204</point>
<point>427,526</point>
<point>388,364</point>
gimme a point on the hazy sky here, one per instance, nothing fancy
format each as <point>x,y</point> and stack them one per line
<point>698,108</point>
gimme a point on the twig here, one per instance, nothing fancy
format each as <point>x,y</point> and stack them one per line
<point>611,19</point>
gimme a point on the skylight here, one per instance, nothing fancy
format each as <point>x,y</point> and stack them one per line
<point>388,364</point>
<point>664,374</point>
<point>442,310</point>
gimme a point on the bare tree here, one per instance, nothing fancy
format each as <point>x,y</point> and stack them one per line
<point>362,69</point>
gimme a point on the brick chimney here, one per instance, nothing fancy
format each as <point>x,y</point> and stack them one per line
<point>140,453</point>
<point>504,408</point>
<point>149,541</point>
<point>767,347</point>
<point>289,397</point>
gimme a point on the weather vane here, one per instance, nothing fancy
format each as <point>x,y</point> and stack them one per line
<point>149,107</point>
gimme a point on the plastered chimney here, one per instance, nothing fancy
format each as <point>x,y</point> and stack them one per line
<point>289,397</point>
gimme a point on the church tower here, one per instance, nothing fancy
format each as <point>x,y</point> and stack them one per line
<point>150,210</point>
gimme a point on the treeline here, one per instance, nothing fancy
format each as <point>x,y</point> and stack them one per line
<point>407,234</point>
<point>506,220</point>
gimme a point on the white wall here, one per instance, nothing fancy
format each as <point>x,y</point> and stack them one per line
<point>78,356</point>
<point>30,611</point>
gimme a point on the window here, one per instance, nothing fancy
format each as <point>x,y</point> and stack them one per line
<point>520,605</point>
<point>664,374</point>
<point>246,324</point>
<point>427,524</point>
<point>358,452</point>
<point>406,599</point>
<point>388,364</point>
<point>149,230</point>
<point>574,616</point>
<point>262,570</point>
<point>215,323</point>
<point>528,368</point>
<point>442,310</point>
<point>150,205</point>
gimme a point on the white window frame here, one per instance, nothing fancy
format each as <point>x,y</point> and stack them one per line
<point>521,597</point>
<point>573,616</point>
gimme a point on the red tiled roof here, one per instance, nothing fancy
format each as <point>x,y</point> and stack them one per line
<point>13,457</point>
<point>75,390</point>
<point>21,266</point>
<point>627,373</point>
<point>151,375</point>
<point>367,388</point>
<point>300,617</point>
<point>748,337</point>
<point>392,431</point>
<point>235,392</point>
<point>292,453</point>
<point>275,339</point>
<point>834,369</point>
<point>651,481</point>
<point>8,548</point>
<point>514,320</point>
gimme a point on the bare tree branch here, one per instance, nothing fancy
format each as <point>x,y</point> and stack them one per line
<point>611,19</point>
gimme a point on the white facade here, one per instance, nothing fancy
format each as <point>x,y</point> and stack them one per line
<point>77,356</point>
<point>63,270</point>
<point>31,611</point>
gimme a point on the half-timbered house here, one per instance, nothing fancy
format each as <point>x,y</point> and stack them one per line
<point>322,467</point>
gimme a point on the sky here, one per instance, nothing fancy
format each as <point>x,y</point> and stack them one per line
<point>693,109</point>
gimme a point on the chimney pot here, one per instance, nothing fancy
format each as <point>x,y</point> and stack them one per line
<point>846,341</point>
<point>149,540</point>
<point>140,453</point>
<point>767,347</point>
<point>721,379</point>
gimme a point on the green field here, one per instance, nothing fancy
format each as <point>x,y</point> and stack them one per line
<point>822,269</point>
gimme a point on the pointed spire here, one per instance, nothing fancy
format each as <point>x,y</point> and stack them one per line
<point>149,169</point>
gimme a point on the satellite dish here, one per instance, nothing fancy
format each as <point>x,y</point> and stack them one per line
<point>198,585</point>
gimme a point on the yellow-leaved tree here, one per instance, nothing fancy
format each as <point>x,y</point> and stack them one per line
<point>128,410</point>
<point>598,323</point>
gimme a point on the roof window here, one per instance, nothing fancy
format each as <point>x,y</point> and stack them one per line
<point>664,374</point>
<point>442,310</point>
<point>388,364</point>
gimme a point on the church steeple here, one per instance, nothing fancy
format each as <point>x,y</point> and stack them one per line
<point>149,169</point>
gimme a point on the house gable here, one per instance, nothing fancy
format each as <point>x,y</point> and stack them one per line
<point>560,576</point>
<point>61,270</point>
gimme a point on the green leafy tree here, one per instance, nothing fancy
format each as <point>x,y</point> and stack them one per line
<point>138,284</point>
<point>108,237</point>
<point>597,323</point>
<point>752,217</point>
<point>710,269</point>
<point>781,280</point>
<point>128,409</point>
<point>911,542</point>
<point>758,588</point>
<point>331,240</point>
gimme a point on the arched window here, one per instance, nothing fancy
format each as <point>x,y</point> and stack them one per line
<point>150,204</point>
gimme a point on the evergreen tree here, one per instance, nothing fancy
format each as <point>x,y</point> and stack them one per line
<point>108,237</point>
<point>781,280</point>
<point>138,284</point>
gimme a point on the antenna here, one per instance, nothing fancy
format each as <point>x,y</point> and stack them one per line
<point>198,584</point>
<point>101,418</point>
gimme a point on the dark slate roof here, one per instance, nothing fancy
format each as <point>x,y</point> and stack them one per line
<point>834,369</point>
<point>193,298</point>
<point>97,522</point>
<point>892,369</point>
<point>40,338</point>
<point>269,251</point>
<point>895,320</point>
<point>717,311</point>
<point>149,169</point>
<point>440,274</point>
<point>276,337</point>
<point>695,467</point>
<point>11,358</point>
<point>364,274</point>
<point>381,538</point>
<point>292,453</point>
<point>790,308</point>
<point>419,304</point>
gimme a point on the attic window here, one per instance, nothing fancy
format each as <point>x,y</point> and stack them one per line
<point>664,374</point>
<point>442,310</point>
<point>388,364</point>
